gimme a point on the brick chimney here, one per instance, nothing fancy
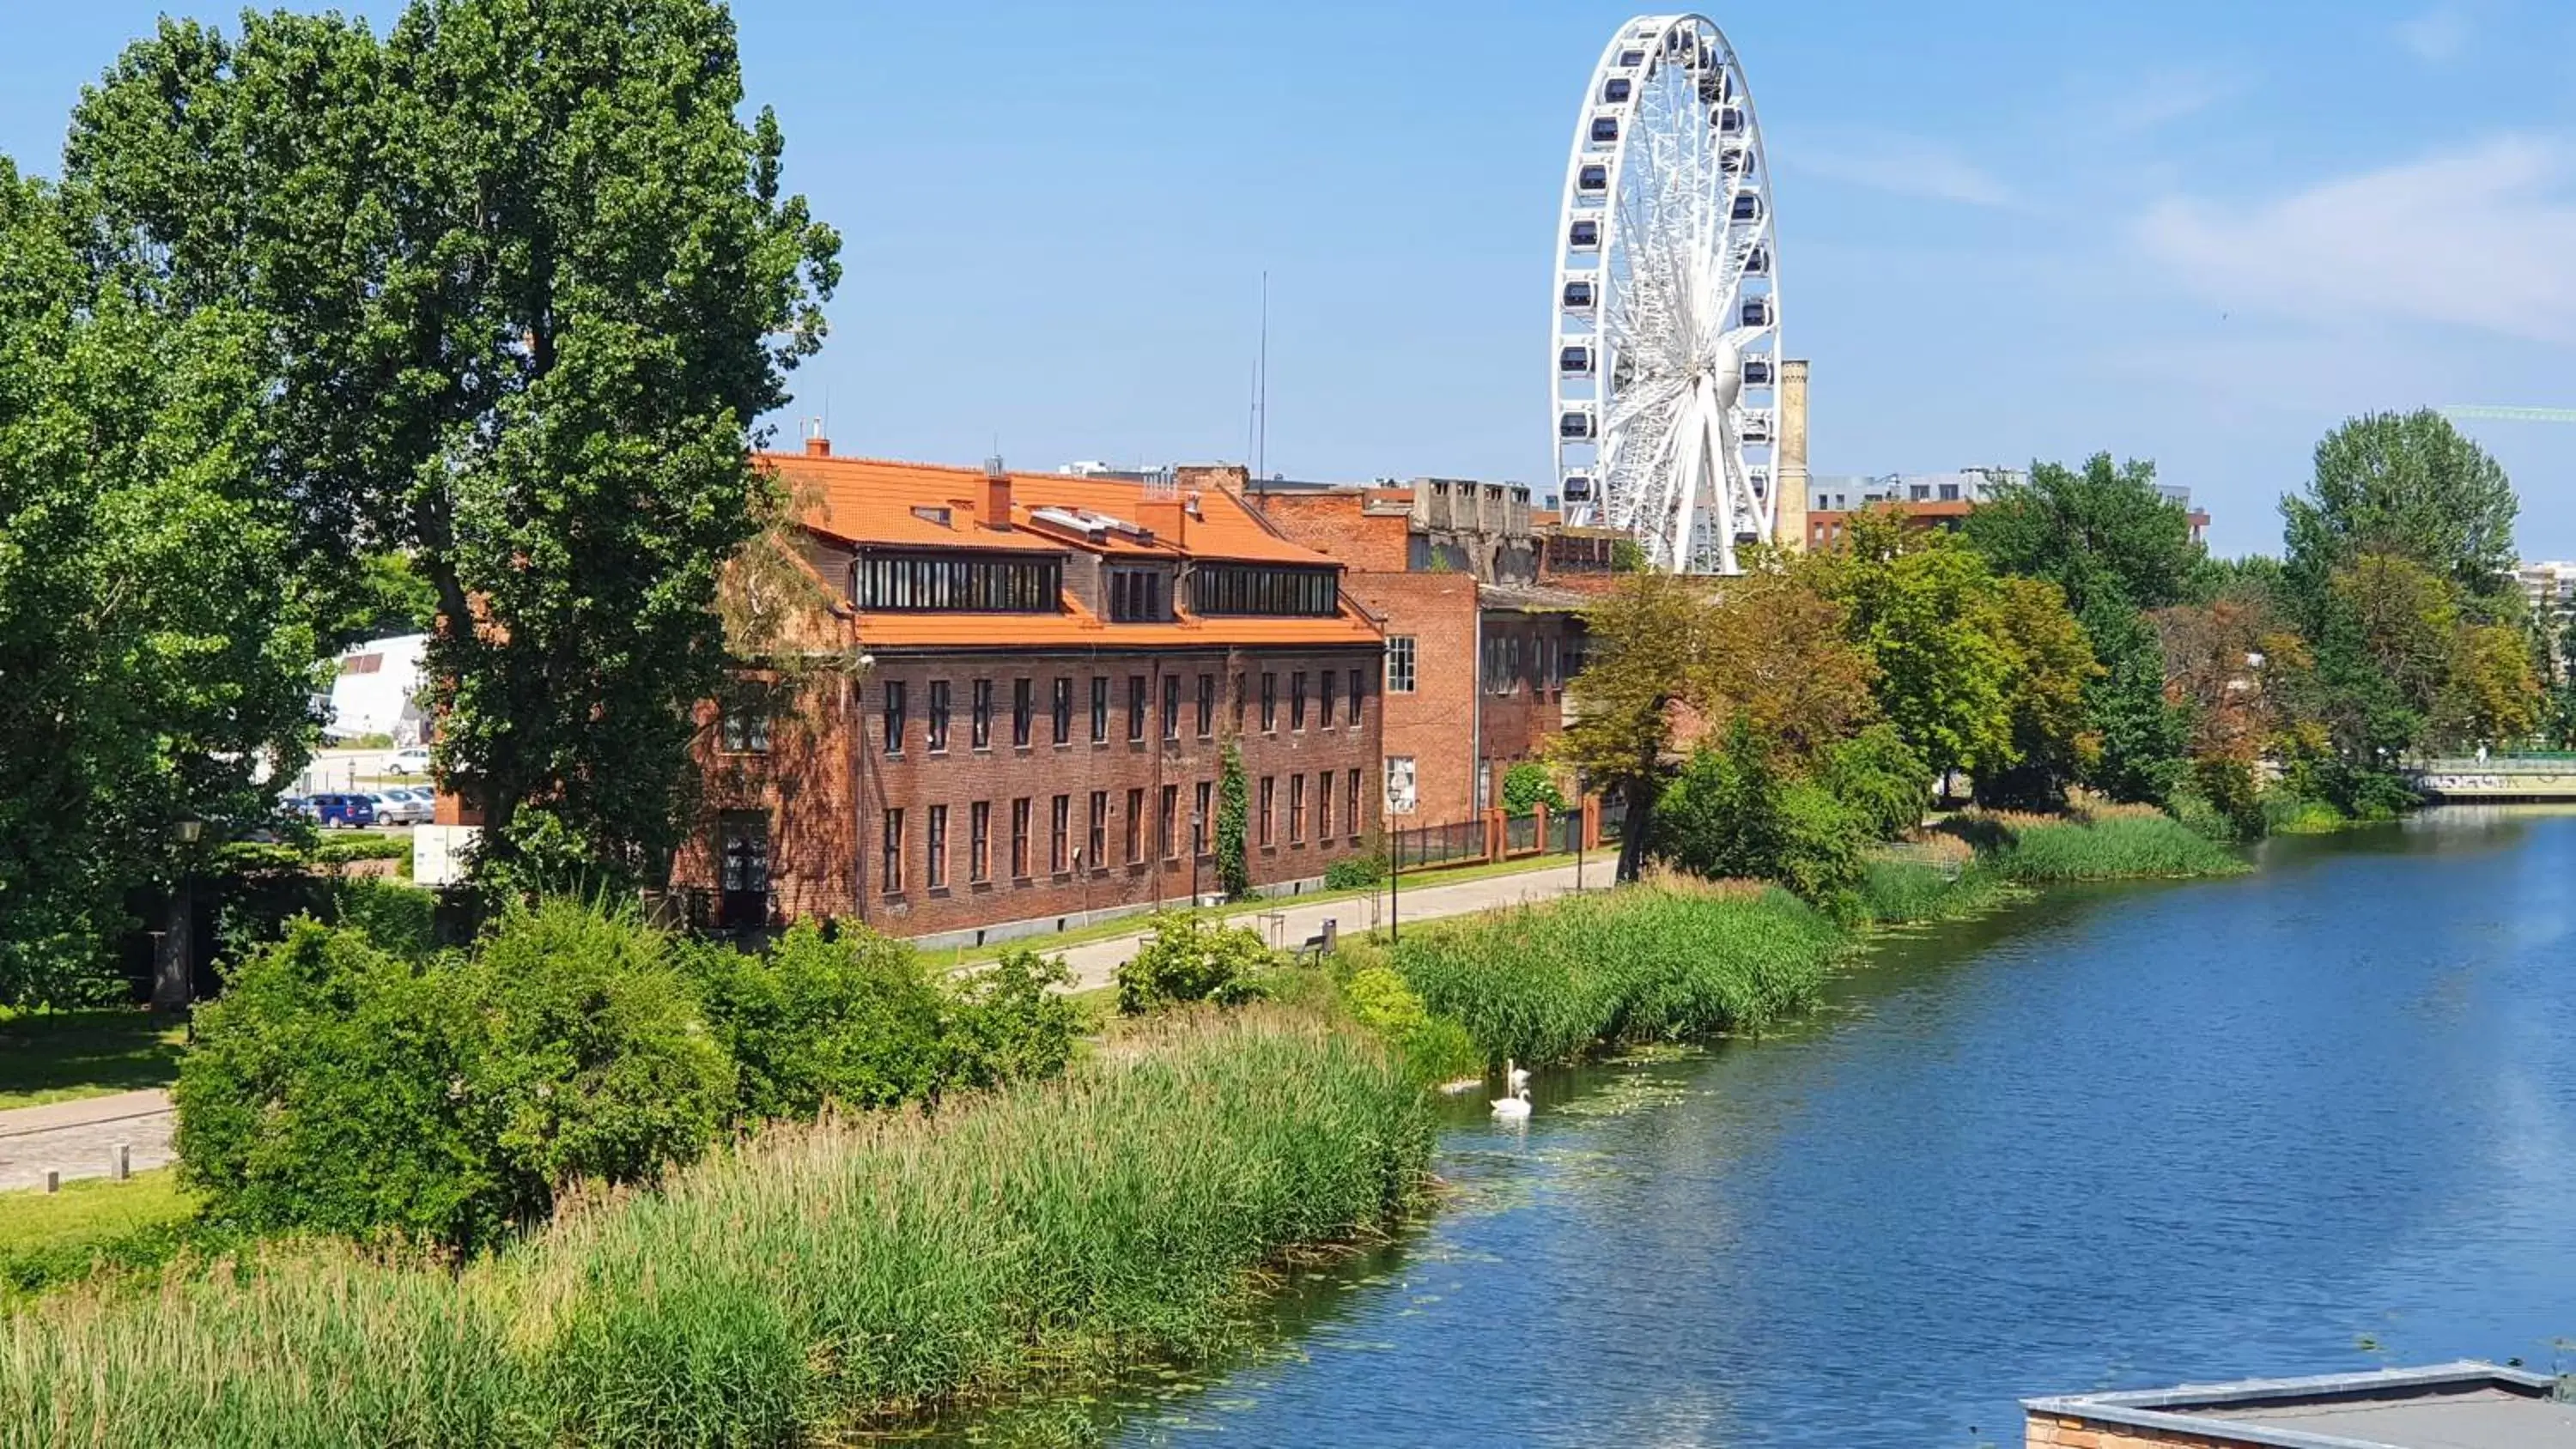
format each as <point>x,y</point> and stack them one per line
<point>818,446</point>
<point>997,494</point>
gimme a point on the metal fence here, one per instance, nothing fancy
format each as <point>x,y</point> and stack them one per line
<point>1437,844</point>
<point>1614,817</point>
<point>1565,831</point>
<point>1520,834</point>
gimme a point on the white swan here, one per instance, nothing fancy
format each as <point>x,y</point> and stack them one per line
<point>1514,1077</point>
<point>1513,1108</point>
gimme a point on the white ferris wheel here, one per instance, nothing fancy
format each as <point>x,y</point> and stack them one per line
<point>1666,363</point>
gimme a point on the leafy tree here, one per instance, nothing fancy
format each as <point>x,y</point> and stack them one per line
<point>2409,486</point>
<point>2117,548</point>
<point>524,282</point>
<point>2052,670</point>
<point>1644,635</point>
<point>1922,606</point>
<point>1880,778</point>
<point>1233,813</point>
<point>1771,650</point>
<point>156,638</point>
<point>2493,694</point>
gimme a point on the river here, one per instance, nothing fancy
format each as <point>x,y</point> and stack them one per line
<point>2321,1117</point>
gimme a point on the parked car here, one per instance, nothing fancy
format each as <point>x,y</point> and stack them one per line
<point>398,806</point>
<point>412,761</point>
<point>351,811</point>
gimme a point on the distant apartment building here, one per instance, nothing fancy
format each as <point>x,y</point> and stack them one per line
<point>1481,599</point>
<point>2550,586</point>
<point>1934,500</point>
<point>1047,670</point>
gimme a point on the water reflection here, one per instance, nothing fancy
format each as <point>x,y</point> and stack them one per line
<point>2321,1117</point>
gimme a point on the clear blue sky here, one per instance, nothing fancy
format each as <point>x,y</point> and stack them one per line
<point>2196,232</point>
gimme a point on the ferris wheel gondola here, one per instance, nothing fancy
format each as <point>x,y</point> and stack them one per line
<point>1666,356</point>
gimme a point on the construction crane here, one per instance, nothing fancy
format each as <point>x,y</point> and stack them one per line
<point>2460,412</point>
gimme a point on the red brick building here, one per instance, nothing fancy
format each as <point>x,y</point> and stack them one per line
<point>1482,610</point>
<point>1038,674</point>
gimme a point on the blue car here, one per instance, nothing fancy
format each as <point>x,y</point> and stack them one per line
<point>352,811</point>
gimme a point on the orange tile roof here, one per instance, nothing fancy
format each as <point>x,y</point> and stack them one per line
<point>870,501</point>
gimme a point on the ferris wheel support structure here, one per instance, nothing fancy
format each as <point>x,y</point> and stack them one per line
<point>1665,367</point>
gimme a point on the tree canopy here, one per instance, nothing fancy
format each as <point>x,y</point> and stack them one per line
<point>157,638</point>
<point>522,284</point>
<point>2408,486</point>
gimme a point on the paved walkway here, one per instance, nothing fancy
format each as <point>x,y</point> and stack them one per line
<point>79,1139</point>
<point>1096,963</point>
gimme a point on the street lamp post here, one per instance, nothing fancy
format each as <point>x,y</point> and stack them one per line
<point>173,975</point>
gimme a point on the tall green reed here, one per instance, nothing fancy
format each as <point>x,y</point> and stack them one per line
<point>808,1281</point>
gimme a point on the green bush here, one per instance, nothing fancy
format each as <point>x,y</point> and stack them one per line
<point>1549,982</point>
<point>1732,814</point>
<point>1528,785</point>
<point>362,847</point>
<point>400,918</point>
<point>1186,959</point>
<point>1881,779</point>
<point>2287,813</point>
<point>1355,872</point>
<point>2121,847</point>
<point>1436,1048</point>
<point>849,1017</point>
<point>338,1087</point>
<point>1008,1023</point>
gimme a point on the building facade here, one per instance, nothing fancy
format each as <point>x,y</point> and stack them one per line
<point>1481,599</point>
<point>1033,681</point>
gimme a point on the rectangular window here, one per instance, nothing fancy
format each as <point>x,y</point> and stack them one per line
<point>937,876</point>
<point>1135,708</point>
<point>1199,819</point>
<point>1020,838</point>
<point>1135,826</point>
<point>1099,829</point>
<point>1269,802</point>
<point>1324,806</point>
<point>1269,702</point>
<point>1023,711</point>
<point>1167,836</point>
<point>1137,596</point>
<point>1100,709</point>
<point>1358,688</point>
<point>1207,705</point>
<point>1399,664</point>
<point>1063,709</point>
<point>1171,706</point>
<point>743,846</point>
<point>1399,784</point>
<point>891,873</point>
<point>1253,589</point>
<point>983,714</point>
<point>745,730</point>
<point>939,716</point>
<point>1297,701</point>
<point>1296,809</point>
<point>979,841</point>
<point>1351,807</point>
<point>893,733</point>
<point>1060,835</point>
<point>934,582</point>
<point>1324,697</point>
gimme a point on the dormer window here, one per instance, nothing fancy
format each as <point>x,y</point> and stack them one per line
<point>958,583</point>
<point>929,514</point>
<point>1263,589</point>
<point>1139,596</point>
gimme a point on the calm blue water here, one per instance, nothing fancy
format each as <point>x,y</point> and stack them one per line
<point>2322,1117</point>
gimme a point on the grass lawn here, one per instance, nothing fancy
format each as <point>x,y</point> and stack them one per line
<point>90,1209</point>
<point>49,1239</point>
<point>56,1056</point>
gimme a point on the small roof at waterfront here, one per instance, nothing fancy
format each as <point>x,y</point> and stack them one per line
<point>2465,1405</point>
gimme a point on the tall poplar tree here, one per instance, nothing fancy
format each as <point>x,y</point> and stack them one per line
<point>525,283</point>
